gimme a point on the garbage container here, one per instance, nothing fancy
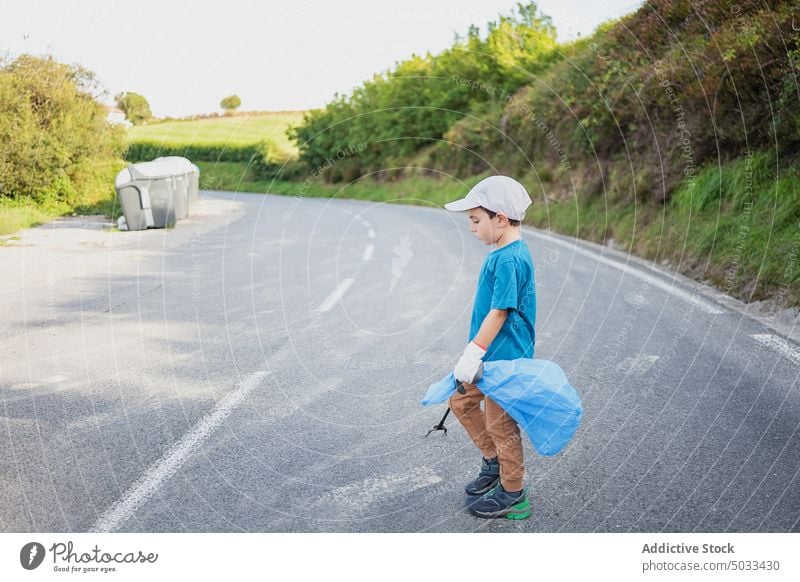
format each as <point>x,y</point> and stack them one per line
<point>181,182</point>
<point>194,184</point>
<point>135,201</point>
<point>165,180</point>
<point>192,173</point>
<point>153,193</point>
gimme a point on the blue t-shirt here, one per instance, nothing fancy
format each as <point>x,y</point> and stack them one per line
<point>506,281</point>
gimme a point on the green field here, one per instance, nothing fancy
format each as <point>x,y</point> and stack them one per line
<point>242,129</point>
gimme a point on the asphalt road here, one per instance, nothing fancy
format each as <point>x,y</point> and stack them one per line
<point>259,368</point>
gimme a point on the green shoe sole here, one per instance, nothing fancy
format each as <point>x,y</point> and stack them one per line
<point>521,510</point>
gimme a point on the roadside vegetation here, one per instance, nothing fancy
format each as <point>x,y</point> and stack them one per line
<point>672,133</point>
<point>58,155</point>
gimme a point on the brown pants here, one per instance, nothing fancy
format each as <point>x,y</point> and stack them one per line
<point>493,431</point>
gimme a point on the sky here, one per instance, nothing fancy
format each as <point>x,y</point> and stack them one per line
<point>184,57</point>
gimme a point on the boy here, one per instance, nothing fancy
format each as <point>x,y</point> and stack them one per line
<point>502,328</point>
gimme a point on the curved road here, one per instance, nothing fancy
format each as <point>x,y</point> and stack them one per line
<point>260,366</point>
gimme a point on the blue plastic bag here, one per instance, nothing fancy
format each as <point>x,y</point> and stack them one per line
<point>534,392</point>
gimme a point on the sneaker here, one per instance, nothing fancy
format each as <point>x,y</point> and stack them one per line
<point>487,478</point>
<point>500,503</point>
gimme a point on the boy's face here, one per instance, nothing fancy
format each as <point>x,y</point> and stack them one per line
<point>488,230</point>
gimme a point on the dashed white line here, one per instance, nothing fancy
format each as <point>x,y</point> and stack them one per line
<point>171,461</point>
<point>781,345</point>
<point>629,270</point>
<point>342,287</point>
<point>335,295</point>
<point>368,253</point>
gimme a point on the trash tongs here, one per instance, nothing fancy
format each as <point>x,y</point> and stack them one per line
<point>461,390</point>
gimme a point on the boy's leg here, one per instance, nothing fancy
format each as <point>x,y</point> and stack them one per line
<point>467,408</point>
<point>506,437</point>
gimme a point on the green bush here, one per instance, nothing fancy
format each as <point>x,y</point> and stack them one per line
<point>54,134</point>
<point>400,112</point>
<point>147,150</point>
<point>671,87</point>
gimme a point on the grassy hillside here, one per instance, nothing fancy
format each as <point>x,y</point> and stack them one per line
<point>234,130</point>
<point>416,189</point>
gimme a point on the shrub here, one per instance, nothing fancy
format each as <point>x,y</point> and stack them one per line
<point>147,150</point>
<point>400,112</point>
<point>54,134</point>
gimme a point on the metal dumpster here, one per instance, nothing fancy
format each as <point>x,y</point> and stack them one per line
<point>192,173</point>
<point>134,200</point>
<point>153,194</point>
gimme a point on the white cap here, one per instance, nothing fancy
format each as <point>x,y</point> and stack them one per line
<point>498,194</point>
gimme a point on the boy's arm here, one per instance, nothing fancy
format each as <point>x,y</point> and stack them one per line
<point>469,364</point>
<point>490,327</point>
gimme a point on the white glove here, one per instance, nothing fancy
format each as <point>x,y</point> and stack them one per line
<point>469,364</point>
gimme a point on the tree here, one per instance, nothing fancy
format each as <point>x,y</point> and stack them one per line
<point>135,107</point>
<point>57,145</point>
<point>413,105</point>
<point>230,103</point>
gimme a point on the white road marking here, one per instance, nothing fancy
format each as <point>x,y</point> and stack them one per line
<point>638,364</point>
<point>335,295</point>
<point>363,494</point>
<point>635,272</point>
<point>368,253</point>
<point>781,345</point>
<point>371,233</point>
<point>171,461</point>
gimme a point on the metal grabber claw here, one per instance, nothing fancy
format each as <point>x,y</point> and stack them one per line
<point>461,390</point>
